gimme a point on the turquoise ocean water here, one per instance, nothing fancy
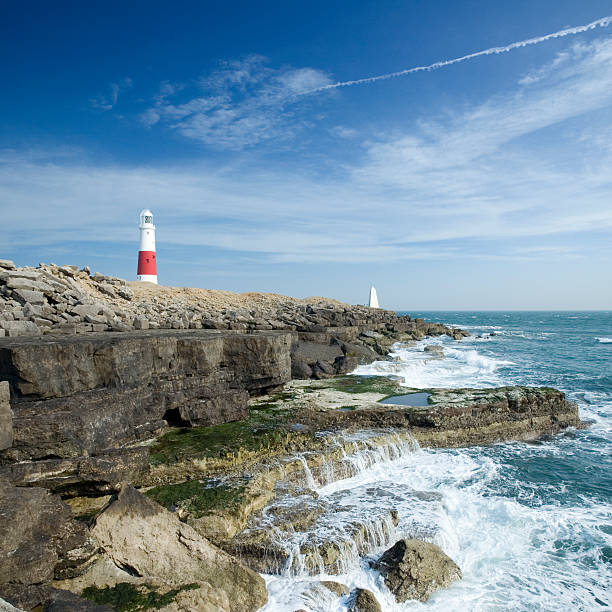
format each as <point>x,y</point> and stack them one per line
<point>530,524</point>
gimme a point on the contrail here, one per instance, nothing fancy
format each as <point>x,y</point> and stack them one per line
<point>604,22</point>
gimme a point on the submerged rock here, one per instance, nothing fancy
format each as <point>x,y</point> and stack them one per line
<point>364,601</point>
<point>435,349</point>
<point>143,537</point>
<point>335,587</point>
<point>413,569</point>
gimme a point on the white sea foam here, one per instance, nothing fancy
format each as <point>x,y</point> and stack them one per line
<point>463,366</point>
<point>604,340</point>
<point>513,556</point>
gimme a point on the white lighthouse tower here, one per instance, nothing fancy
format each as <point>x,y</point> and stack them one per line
<point>147,264</point>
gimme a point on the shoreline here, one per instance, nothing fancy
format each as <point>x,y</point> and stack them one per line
<point>221,436</point>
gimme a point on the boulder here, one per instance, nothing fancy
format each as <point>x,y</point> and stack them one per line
<point>363,600</point>
<point>7,264</point>
<point>82,310</point>
<point>20,328</point>
<point>300,369</point>
<point>44,598</point>
<point>203,599</point>
<point>413,569</point>
<point>143,537</point>
<point>141,323</point>
<point>323,369</point>
<point>38,537</point>
<point>27,296</point>
<point>335,587</point>
<point>6,417</point>
<point>59,600</point>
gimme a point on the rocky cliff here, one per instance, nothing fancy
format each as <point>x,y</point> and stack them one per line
<point>81,404</point>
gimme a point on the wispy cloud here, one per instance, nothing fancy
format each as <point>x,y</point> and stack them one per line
<point>477,160</point>
<point>341,131</point>
<point>515,177</point>
<point>242,103</point>
<point>604,22</point>
<point>108,100</point>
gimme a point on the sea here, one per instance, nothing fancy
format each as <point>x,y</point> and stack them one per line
<point>529,524</point>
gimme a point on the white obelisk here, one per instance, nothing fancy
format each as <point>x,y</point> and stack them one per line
<point>147,263</point>
<point>373,298</point>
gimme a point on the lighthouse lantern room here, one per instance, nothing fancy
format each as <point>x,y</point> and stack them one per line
<point>147,264</point>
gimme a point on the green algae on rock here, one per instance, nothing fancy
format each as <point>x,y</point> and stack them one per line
<point>126,597</point>
<point>361,384</point>
<point>199,497</point>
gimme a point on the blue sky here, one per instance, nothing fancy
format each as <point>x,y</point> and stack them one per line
<point>485,184</point>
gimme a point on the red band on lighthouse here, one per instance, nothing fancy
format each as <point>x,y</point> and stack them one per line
<point>147,262</point>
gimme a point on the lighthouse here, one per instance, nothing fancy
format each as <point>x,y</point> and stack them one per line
<point>147,265</point>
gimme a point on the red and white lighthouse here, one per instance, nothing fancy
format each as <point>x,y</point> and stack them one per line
<point>147,264</point>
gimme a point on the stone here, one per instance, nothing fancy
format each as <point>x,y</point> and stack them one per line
<point>26,296</point>
<point>95,319</point>
<point>86,309</point>
<point>204,599</point>
<point>126,293</point>
<point>6,417</point>
<point>7,264</point>
<point>435,349</point>
<point>139,534</point>
<point>107,289</point>
<point>31,310</point>
<point>322,369</point>
<point>20,328</point>
<point>37,533</point>
<point>335,587</point>
<point>364,600</point>
<point>300,369</point>
<point>141,323</point>
<point>59,600</point>
<point>413,569</point>
<point>25,273</point>
<point>42,323</point>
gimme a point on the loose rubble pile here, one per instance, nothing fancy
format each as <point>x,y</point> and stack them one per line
<point>54,299</point>
<point>64,300</point>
